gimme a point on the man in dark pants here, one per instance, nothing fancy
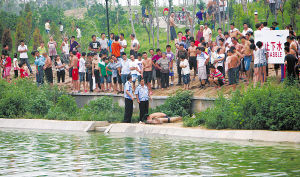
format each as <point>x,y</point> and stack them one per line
<point>88,65</point>
<point>181,52</point>
<point>142,97</point>
<point>128,100</point>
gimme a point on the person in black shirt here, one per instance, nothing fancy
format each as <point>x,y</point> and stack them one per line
<point>94,45</point>
<point>290,61</point>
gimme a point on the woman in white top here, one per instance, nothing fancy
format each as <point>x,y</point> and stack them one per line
<point>52,48</point>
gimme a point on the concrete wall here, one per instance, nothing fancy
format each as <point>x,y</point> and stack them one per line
<point>198,104</point>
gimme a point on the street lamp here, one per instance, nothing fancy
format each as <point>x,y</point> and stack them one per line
<point>107,17</point>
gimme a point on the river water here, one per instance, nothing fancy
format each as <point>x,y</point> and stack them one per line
<point>47,153</point>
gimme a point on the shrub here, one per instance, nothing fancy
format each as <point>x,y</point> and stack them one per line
<point>40,105</point>
<point>271,107</point>
<point>179,104</point>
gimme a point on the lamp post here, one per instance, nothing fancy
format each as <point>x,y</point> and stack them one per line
<point>107,17</point>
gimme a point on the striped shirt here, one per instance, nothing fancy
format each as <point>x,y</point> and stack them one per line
<point>217,74</point>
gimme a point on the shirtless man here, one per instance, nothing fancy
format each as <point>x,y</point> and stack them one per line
<point>247,52</point>
<point>147,71</point>
<point>192,53</point>
<point>293,44</point>
<point>159,118</point>
<point>233,63</point>
<point>234,32</point>
<point>75,74</point>
<point>172,27</point>
<point>48,69</point>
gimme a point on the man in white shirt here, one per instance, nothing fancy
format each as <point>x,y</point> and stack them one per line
<point>207,33</point>
<point>104,44</point>
<point>202,60</point>
<point>47,26</point>
<point>65,50</point>
<point>22,49</point>
<point>134,46</point>
<point>134,69</point>
<point>82,70</point>
<point>234,32</point>
<point>246,29</point>
<point>264,26</point>
<point>78,32</point>
<point>61,28</point>
<point>228,42</point>
<point>123,43</point>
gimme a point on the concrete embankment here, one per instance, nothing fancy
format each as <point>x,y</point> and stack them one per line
<point>248,135</point>
<point>41,124</point>
<point>198,104</point>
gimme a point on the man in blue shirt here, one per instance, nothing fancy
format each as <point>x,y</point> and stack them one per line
<point>125,70</point>
<point>142,97</point>
<point>39,62</point>
<point>128,100</point>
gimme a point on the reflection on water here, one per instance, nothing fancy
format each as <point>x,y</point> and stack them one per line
<point>41,153</point>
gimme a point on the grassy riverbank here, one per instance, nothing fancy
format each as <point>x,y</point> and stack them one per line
<point>269,107</point>
<point>23,99</point>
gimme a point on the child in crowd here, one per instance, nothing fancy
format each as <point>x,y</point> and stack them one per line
<point>140,67</point>
<point>216,77</point>
<point>16,67</point>
<point>170,56</point>
<point>103,74</point>
<point>202,60</point>
<point>184,64</point>
<point>82,75</point>
<point>23,70</point>
<point>7,68</point>
<point>133,70</point>
<point>108,75</point>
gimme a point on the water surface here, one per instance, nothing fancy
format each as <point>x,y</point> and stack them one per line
<point>46,153</point>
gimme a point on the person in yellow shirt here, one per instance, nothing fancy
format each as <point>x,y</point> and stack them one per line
<point>42,49</point>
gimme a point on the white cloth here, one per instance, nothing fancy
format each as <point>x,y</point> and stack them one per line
<point>228,41</point>
<point>219,56</point>
<point>65,48</point>
<point>82,65</point>
<point>246,31</point>
<point>103,43</point>
<point>47,26</point>
<point>61,28</point>
<point>123,43</point>
<point>78,33</point>
<point>15,63</point>
<point>134,43</point>
<point>140,66</point>
<point>206,33</point>
<point>23,54</point>
<point>201,59</point>
<point>186,70</point>
<point>135,65</point>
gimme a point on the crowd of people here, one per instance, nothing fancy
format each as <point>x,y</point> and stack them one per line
<point>107,68</point>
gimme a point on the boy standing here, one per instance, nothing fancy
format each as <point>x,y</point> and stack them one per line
<point>185,67</point>
<point>82,70</point>
<point>202,60</point>
<point>75,78</point>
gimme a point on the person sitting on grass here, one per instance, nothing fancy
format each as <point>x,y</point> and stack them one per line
<point>160,118</point>
<point>216,77</point>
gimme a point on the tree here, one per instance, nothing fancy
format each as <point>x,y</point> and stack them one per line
<point>37,38</point>
<point>1,29</point>
<point>55,32</point>
<point>193,19</point>
<point>148,5</point>
<point>244,4</point>
<point>219,14</point>
<point>293,8</point>
<point>168,22</point>
<point>19,35</point>
<point>157,23</point>
<point>27,8</point>
<point>28,28</point>
<point>6,38</point>
<point>130,14</point>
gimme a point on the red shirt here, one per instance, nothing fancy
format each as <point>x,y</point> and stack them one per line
<point>8,62</point>
<point>116,47</point>
<point>197,43</point>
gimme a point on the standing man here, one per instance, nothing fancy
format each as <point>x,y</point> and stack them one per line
<point>246,29</point>
<point>125,68</point>
<point>73,44</point>
<point>65,50</point>
<point>39,63</point>
<point>104,44</point>
<point>234,32</point>
<point>135,46</point>
<point>128,100</point>
<point>220,35</point>
<point>75,72</point>
<point>207,33</point>
<point>172,26</point>
<point>247,52</point>
<point>94,45</point>
<point>142,97</point>
<point>22,49</point>
<point>192,58</point>
<point>147,71</point>
<point>123,43</point>
<point>184,53</point>
<point>78,32</point>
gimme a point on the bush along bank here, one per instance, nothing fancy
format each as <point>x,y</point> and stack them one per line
<point>23,99</point>
<point>270,107</point>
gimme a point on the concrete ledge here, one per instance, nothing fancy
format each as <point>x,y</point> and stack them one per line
<point>52,124</point>
<point>248,135</point>
<point>198,103</point>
